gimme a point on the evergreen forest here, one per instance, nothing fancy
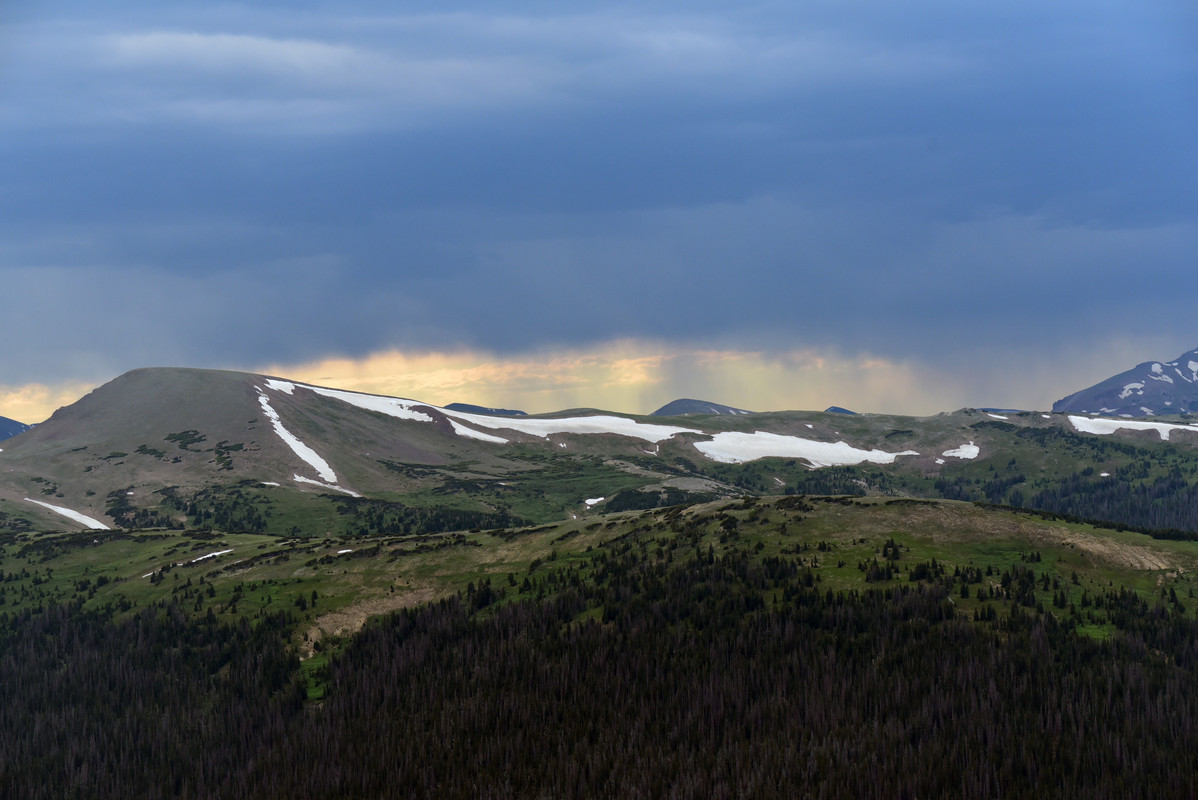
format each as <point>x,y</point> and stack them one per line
<point>645,674</point>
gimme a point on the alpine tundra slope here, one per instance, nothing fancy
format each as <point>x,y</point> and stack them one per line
<point>140,450</point>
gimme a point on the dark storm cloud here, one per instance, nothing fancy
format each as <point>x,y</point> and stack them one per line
<point>256,182</point>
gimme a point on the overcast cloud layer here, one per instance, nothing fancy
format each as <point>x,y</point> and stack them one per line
<point>261,183</point>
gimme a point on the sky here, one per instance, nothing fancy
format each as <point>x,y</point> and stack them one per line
<point>893,207</point>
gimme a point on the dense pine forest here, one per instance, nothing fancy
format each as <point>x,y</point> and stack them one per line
<point>652,674</point>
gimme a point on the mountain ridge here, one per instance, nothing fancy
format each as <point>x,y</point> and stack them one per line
<point>495,412</point>
<point>152,446</point>
<point>10,428</point>
<point>684,407</point>
<point>1151,388</point>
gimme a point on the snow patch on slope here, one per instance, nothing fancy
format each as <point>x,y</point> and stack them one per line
<point>88,522</point>
<point>470,433</point>
<point>542,428</point>
<point>1158,375</point>
<point>333,486</point>
<point>736,448</point>
<point>213,555</point>
<point>302,450</point>
<point>1138,388</point>
<point>391,406</point>
<point>970,450</point>
<point>1105,426</point>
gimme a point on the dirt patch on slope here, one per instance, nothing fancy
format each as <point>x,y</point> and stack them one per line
<point>350,619</point>
<point>1114,552</point>
<point>951,523</point>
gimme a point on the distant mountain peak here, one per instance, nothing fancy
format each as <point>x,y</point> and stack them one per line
<point>10,428</point>
<point>467,408</point>
<point>1153,388</point>
<point>686,407</point>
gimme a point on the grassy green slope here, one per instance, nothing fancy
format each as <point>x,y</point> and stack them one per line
<point>985,559</point>
<point>441,511</point>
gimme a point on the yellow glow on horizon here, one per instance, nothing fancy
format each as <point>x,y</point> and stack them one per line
<point>35,402</point>
<point>639,376</point>
<point>634,377</point>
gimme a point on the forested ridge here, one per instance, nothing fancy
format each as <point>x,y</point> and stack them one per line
<point>696,676</point>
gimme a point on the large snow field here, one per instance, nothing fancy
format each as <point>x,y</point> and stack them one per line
<point>726,447</point>
<point>1102,426</point>
<point>736,448</point>
<point>543,428</point>
<point>391,406</point>
<point>89,522</point>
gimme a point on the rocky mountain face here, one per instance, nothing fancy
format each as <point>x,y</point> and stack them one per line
<point>1154,388</point>
<point>10,428</point>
